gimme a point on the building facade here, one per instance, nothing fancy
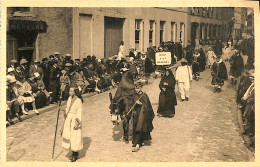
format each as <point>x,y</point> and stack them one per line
<point>35,33</point>
<point>250,23</point>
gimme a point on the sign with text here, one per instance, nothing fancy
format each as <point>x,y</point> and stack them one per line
<point>163,58</point>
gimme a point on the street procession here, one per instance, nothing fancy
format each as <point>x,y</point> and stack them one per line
<point>121,97</point>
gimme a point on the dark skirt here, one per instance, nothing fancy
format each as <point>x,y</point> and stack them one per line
<point>40,100</point>
<point>167,102</point>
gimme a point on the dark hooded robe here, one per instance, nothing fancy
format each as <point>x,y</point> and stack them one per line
<point>202,60</point>
<point>148,66</point>
<point>126,87</point>
<point>143,116</point>
<point>237,65</point>
<point>219,73</point>
<point>167,98</point>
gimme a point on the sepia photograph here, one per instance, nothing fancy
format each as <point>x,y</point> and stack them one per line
<point>129,84</point>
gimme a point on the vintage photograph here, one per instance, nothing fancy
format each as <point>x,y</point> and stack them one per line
<point>130,84</point>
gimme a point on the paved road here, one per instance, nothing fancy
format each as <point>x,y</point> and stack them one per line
<point>203,129</point>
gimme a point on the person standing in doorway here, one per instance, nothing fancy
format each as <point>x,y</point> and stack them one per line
<point>72,131</point>
<point>184,78</point>
<point>121,53</point>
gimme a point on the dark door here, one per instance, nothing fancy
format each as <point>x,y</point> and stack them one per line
<point>113,35</point>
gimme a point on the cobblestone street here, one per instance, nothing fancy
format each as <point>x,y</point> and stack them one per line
<point>203,129</point>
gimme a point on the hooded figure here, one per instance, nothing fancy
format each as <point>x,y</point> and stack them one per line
<point>219,74</point>
<point>142,117</point>
<point>236,68</point>
<point>126,86</point>
<point>167,98</point>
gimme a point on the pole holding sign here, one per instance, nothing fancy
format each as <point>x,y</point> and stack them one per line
<point>163,58</point>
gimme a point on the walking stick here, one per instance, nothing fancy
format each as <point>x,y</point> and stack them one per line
<point>135,104</point>
<point>206,80</point>
<point>56,127</point>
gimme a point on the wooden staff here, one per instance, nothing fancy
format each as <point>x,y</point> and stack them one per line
<point>56,126</point>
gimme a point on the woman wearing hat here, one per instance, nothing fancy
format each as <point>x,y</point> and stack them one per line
<point>39,95</point>
<point>72,131</point>
<point>25,92</point>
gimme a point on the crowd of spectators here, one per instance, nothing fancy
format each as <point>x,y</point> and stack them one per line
<point>33,85</point>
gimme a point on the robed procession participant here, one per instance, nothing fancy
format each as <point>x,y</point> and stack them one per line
<point>202,60</point>
<point>236,68</point>
<point>142,123</point>
<point>184,78</point>
<point>72,131</point>
<point>219,74</point>
<point>196,65</point>
<point>167,98</point>
<point>125,94</point>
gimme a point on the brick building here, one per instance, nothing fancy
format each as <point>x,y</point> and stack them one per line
<point>35,33</point>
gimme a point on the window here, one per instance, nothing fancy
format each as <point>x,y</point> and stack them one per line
<point>138,34</point>
<point>173,31</point>
<point>162,23</point>
<point>152,33</point>
<point>137,30</point>
<point>182,33</point>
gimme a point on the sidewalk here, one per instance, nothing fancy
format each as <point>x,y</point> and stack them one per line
<point>31,113</point>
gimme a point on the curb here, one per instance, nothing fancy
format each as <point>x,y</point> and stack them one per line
<point>45,109</point>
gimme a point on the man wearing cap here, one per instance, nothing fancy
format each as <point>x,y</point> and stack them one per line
<point>54,81</point>
<point>36,68</point>
<point>24,68</point>
<point>11,99</point>
<point>236,67</point>
<point>58,58</point>
<point>45,69</point>
<point>219,74</point>
<point>183,79</point>
<point>90,75</point>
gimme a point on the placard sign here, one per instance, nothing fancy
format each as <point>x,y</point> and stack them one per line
<point>163,58</point>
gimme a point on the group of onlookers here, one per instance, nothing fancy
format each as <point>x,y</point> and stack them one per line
<point>37,84</point>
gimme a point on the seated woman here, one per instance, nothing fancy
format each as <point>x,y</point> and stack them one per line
<point>38,94</point>
<point>113,72</point>
<point>90,75</point>
<point>26,97</point>
<point>77,79</point>
<point>105,79</point>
